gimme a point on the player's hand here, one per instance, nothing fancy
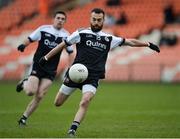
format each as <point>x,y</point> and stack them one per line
<point>21,47</point>
<point>69,49</point>
<point>154,47</point>
<point>42,61</point>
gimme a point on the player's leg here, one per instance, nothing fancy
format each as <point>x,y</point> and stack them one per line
<point>65,91</point>
<point>63,94</point>
<point>20,85</point>
<point>30,87</point>
<point>42,90</point>
<point>88,93</point>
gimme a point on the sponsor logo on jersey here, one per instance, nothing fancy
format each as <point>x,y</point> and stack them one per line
<point>50,44</point>
<point>106,39</point>
<point>98,37</point>
<point>96,44</point>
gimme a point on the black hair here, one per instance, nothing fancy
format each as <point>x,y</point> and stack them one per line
<point>98,11</point>
<point>60,12</point>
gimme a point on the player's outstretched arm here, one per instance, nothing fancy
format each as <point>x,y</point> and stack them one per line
<point>22,46</point>
<point>53,52</point>
<point>138,43</point>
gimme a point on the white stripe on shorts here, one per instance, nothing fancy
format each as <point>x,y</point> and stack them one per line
<point>89,88</point>
<point>66,90</point>
<point>85,88</point>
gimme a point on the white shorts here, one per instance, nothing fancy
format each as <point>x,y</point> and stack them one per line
<point>85,88</point>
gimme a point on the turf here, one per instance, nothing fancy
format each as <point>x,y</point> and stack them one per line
<point>119,110</point>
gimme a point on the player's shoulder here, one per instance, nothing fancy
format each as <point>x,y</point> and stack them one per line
<point>103,33</point>
<point>63,30</point>
<point>106,34</point>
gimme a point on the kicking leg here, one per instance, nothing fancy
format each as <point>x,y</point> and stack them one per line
<point>63,94</point>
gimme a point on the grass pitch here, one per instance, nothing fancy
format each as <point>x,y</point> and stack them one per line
<point>119,110</point>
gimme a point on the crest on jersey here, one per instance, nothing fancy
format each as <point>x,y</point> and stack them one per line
<point>98,37</point>
<point>106,39</point>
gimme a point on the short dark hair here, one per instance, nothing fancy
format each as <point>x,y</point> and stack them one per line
<point>98,11</point>
<point>60,12</point>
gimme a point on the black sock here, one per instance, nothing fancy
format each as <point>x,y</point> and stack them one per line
<point>24,117</point>
<point>74,125</point>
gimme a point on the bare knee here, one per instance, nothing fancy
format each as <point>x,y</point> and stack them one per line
<point>39,96</point>
<point>31,92</point>
<point>60,99</point>
<point>30,87</point>
<point>84,103</point>
<point>58,103</point>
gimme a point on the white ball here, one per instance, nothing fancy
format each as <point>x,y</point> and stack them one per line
<point>78,73</point>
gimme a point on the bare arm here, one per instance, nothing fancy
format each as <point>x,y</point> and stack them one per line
<point>136,43</point>
<point>54,51</point>
<point>71,59</point>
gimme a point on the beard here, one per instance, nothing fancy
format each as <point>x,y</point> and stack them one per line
<point>96,29</point>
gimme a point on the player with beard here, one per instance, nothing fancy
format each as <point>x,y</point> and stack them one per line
<point>92,46</point>
<point>40,79</point>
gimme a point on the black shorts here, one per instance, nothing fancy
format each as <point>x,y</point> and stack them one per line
<point>41,73</point>
<point>93,80</point>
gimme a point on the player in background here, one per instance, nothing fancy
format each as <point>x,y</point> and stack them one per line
<point>92,46</point>
<point>40,78</point>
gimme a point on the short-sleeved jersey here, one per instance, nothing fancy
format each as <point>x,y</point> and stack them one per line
<point>48,37</point>
<point>92,49</point>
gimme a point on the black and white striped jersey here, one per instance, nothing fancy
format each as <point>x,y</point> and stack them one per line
<point>48,38</point>
<point>92,49</point>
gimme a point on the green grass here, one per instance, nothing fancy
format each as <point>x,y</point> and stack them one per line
<point>118,110</point>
